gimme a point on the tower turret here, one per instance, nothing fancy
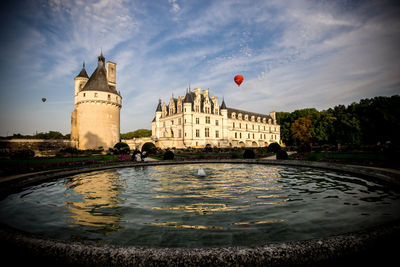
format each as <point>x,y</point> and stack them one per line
<point>81,80</point>
<point>95,121</point>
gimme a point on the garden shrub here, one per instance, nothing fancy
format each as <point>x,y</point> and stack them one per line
<point>23,154</point>
<point>249,154</point>
<point>281,154</point>
<point>121,148</point>
<point>149,148</point>
<point>168,155</point>
<point>273,147</point>
<point>208,148</point>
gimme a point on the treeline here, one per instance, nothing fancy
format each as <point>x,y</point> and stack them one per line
<point>58,135</point>
<point>370,122</point>
<point>136,134</point>
<point>47,136</point>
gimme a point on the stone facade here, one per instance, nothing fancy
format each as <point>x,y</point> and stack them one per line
<point>197,120</point>
<point>95,121</point>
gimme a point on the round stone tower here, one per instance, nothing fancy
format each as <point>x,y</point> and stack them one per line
<point>96,117</point>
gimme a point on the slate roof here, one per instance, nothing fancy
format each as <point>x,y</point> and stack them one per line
<point>237,111</point>
<point>159,108</point>
<point>83,73</point>
<point>223,106</point>
<point>98,79</point>
<point>191,96</point>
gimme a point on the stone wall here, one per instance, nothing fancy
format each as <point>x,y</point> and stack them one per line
<point>39,146</point>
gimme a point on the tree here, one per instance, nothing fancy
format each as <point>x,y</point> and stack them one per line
<point>322,127</point>
<point>136,134</point>
<point>301,130</point>
<point>370,121</point>
<point>50,135</point>
<point>347,126</point>
<point>284,120</point>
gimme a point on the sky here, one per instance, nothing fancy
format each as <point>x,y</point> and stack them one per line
<point>293,55</point>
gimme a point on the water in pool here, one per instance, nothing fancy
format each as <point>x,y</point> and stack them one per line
<point>172,206</point>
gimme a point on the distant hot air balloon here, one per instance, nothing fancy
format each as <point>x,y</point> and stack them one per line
<point>43,99</point>
<point>238,79</point>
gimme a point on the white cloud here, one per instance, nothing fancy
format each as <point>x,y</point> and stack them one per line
<point>294,54</point>
<point>174,6</point>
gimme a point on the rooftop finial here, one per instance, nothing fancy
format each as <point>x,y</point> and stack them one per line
<point>101,57</point>
<point>83,65</point>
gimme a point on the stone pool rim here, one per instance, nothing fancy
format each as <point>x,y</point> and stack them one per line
<point>280,253</point>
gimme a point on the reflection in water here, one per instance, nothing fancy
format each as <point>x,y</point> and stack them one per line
<point>225,189</point>
<point>201,208</point>
<point>247,224</point>
<point>94,200</point>
<point>170,206</point>
<point>179,225</point>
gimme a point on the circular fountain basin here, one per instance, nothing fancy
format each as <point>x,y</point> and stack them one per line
<point>172,206</point>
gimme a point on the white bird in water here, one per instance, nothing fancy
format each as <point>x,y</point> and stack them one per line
<point>201,172</point>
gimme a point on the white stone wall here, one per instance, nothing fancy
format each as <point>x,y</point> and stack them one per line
<point>189,128</point>
<point>98,124</point>
<point>95,121</point>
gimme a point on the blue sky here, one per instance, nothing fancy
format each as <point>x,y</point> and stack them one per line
<point>292,54</point>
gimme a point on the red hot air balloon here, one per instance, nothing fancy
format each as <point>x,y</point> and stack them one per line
<point>238,79</point>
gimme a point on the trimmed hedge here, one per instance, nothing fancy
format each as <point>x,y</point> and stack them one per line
<point>281,154</point>
<point>168,155</point>
<point>273,147</point>
<point>249,154</point>
<point>121,148</point>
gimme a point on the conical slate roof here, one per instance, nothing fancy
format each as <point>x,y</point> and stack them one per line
<point>98,80</point>
<point>223,106</point>
<point>189,97</point>
<point>83,73</point>
<point>159,108</point>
